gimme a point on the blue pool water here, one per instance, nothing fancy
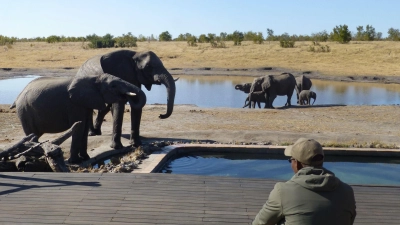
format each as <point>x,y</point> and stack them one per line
<point>352,170</point>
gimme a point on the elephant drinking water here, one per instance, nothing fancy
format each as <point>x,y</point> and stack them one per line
<point>52,105</point>
<point>272,86</point>
<point>138,68</point>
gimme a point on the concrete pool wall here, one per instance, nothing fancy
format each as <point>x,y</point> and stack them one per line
<point>158,159</point>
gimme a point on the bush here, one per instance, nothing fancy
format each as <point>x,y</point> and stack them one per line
<point>192,41</point>
<point>53,39</point>
<point>165,36</point>
<point>316,47</point>
<point>126,41</point>
<point>237,38</point>
<point>7,40</point>
<point>341,34</point>
<point>287,43</point>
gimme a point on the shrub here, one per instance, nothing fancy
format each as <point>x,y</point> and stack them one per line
<point>126,41</point>
<point>237,38</point>
<point>341,34</point>
<point>165,36</point>
<point>53,39</point>
<point>316,47</point>
<point>287,43</point>
<point>192,41</point>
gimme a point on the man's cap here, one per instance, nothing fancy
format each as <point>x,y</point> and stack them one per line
<point>304,150</point>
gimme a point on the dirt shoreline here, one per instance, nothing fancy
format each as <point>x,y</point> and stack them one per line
<point>189,123</point>
<point>6,73</point>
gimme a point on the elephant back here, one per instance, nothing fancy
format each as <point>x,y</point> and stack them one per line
<point>285,83</point>
<point>92,66</point>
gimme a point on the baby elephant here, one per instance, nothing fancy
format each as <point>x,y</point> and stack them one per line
<point>305,96</point>
<point>52,105</point>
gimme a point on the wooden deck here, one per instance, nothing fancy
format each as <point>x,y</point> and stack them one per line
<point>83,198</point>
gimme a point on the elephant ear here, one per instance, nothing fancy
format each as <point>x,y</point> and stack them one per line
<point>83,92</point>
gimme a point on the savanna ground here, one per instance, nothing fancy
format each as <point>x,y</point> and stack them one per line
<point>332,125</point>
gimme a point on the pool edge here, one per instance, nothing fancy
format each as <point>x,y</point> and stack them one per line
<point>157,159</point>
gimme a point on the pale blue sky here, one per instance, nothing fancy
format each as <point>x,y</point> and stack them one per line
<point>42,18</point>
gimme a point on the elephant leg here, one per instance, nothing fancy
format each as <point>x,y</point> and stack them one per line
<point>83,145</point>
<point>259,104</point>
<point>96,129</point>
<point>118,114</point>
<point>79,144</point>
<point>266,101</point>
<point>136,116</point>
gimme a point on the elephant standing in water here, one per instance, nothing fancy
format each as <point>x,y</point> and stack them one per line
<point>302,83</point>
<point>272,86</point>
<point>306,96</point>
<point>52,105</point>
<point>245,87</point>
<point>137,68</point>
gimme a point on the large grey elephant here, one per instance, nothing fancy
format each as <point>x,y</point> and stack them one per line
<point>52,105</point>
<point>306,96</point>
<point>138,68</point>
<point>302,83</point>
<point>274,85</point>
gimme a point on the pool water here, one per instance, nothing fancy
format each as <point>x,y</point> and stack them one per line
<point>352,170</point>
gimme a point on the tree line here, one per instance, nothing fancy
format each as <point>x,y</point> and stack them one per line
<point>340,33</point>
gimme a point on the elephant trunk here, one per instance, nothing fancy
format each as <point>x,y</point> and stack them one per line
<point>138,100</point>
<point>169,83</point>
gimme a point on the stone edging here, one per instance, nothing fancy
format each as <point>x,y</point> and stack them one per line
<point>157,159</point>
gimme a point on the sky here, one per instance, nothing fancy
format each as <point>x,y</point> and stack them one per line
<point>79,18</point>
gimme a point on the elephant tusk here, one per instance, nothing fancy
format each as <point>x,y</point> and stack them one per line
<point>130,93</point>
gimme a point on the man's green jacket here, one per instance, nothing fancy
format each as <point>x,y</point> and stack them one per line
<point>312,196</point>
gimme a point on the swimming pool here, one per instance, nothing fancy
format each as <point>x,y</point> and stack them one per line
<point>350,169</point>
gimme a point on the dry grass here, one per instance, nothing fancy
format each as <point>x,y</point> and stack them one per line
<point>356,58</point>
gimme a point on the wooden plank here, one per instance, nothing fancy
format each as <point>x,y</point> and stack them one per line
<point>76,198</point>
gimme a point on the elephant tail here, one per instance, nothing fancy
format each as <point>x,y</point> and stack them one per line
<point>13,105</point>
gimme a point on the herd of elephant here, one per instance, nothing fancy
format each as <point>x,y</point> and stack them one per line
<point>106,83</point>
<point>266,88</point>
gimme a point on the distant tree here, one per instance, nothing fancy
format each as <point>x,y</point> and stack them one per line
<point>4,40</point>
<point>141,38</point>
<point>393,34</point>
<point>223,35</point>
<point>192,41</point>
<point>237,37</point>
<point>53,39</point>
<point>370,33</point>
<point>203,38</point>
<point>359,34</point>
<point>108,41</point>
<point>165,36</point>
<point>126,41</point>
<point>270,35</point>
<point>320,36</point>
<point>341,34</point>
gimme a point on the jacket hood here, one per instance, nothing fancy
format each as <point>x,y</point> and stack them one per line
<point>317,179</point>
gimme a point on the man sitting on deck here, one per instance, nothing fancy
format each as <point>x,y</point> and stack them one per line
<point>313,196</point>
